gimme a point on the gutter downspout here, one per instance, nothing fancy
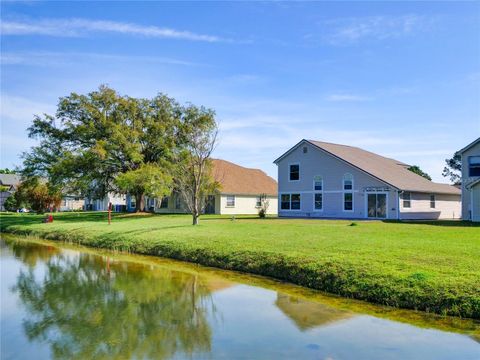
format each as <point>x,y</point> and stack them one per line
<point>398,203</point>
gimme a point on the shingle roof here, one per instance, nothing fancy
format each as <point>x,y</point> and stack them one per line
<point>388,170</point>
<point>10,179</point>
<point>236,179</point>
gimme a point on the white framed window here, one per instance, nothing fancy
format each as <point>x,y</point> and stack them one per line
<point>294,172</point>
<point>432,201</point>
<point>285,202</point>
<point>473,166</point>
<point>290,202</point>
<point>348,182</point>
<point>317,183</point>
<point>318,201</point>
<point>259,201</point>
<point>348,201</point>
<point>230,200</point>
<point>133,203</point>
<point>295,202</point>
<point>407,200</point>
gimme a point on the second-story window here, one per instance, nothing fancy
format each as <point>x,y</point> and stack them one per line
<point>294,172</point>
<point>318,183</point>
<point>474,166</point>
<point>348,182</point>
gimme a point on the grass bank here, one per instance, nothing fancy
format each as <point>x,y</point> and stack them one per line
<point>430,266</point>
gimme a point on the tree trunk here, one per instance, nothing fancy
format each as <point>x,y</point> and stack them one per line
<point>195,219</point>
<point>139,202</point>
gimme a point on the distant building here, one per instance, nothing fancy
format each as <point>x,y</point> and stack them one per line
<point>118,203</point>
<point>72,203</point>
<point>471,181</point>
<point>325,180</point>
<point>9,184</point>
<point>239,193</point>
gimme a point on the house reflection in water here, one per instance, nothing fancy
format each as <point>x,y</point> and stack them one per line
<point>308,314</point>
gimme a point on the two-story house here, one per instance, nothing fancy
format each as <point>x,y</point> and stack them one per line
<point>325,180</point>
<point>471,181</point>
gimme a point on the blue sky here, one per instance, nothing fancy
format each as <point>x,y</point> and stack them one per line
<point>398,78</point>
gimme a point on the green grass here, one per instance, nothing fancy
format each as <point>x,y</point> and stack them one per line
<point>430,266</point>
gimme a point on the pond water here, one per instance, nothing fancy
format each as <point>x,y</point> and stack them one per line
<point>65,302</point>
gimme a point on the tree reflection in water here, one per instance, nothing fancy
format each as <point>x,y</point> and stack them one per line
<point>88,307</point>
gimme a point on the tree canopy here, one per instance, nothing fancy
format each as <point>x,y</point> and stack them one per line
<point>105,142</point>
<point>453,168</point>
<point>416,169</point>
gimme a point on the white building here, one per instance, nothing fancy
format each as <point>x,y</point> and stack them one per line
<point>471,181</point>
<point>325,180</point>
<point>118,203</point>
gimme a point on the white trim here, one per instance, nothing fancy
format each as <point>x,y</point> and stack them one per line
<point>234,201</point>
<point>290,201</point>
<point>343,202</point>
<point>313,204</point>
<point>299,177</point>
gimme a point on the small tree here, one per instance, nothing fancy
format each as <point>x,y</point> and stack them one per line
<point>264,204</point>
<point>453,168</point>
<point>10,203</point>
<point>416,169</point>
<point>40,196</point>
<point>194,178</point>
<point>149,179</point>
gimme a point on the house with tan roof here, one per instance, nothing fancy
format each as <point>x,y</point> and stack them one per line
<point>325,180</point>
<point>239,193</point>
<point>471,181</point>
<point>9,184</point>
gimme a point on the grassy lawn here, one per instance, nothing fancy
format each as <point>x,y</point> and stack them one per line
<point>432,266</point>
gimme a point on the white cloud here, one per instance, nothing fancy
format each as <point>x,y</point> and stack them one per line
<point>352,30</point>
<point>67,58</point>
<point>347,97</point>
<point>78,27</point>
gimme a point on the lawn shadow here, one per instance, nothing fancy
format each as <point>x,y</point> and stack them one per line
<point>446,223</point>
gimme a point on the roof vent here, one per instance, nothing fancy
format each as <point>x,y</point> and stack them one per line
<point>305,149</point>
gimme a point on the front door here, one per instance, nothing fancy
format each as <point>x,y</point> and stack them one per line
<point>377,206</point>
<point>210,204</point>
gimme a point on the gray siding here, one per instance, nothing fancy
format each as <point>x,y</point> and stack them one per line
<point>467,195</point>
<point>317,162</point>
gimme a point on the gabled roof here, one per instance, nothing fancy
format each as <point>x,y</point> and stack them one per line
<point>10,179</point>
<point>387,170</point>
<point>236,179</point>
<point>472,144</point>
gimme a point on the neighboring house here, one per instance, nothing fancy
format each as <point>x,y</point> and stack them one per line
<point>325,180</point>
<point>239,193</point>
<point>72,203</point>
<point>9,183</point>
<point>118,203</point>
<point>471,181</point>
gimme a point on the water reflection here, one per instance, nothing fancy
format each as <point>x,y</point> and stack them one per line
<point>89,307</point>
<point>59,302</point>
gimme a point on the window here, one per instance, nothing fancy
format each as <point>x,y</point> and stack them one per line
<point>474,166</point>
<point>348,182</point>
<point>178,202</point>
<point>230,200</point>
<point>259,201</point>
<point>290,202</point>
<point>432,201</point>
<point>348,201</point>
<point>407,200</point>
<point>294,172</point>
<point>164,203</point>
<point>318,201</point>
<point>133,203</point>
<point>285,202</point>
<point>305,149</point>
<point>295,203</point>
<point>318,183</point>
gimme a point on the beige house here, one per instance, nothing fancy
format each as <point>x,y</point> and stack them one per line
<point>72,203</point>
<point>240,191</point>
<point>325,180</point>
<point>471,181</point>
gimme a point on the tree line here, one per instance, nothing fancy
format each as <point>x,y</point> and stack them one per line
<point>104,142</point>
